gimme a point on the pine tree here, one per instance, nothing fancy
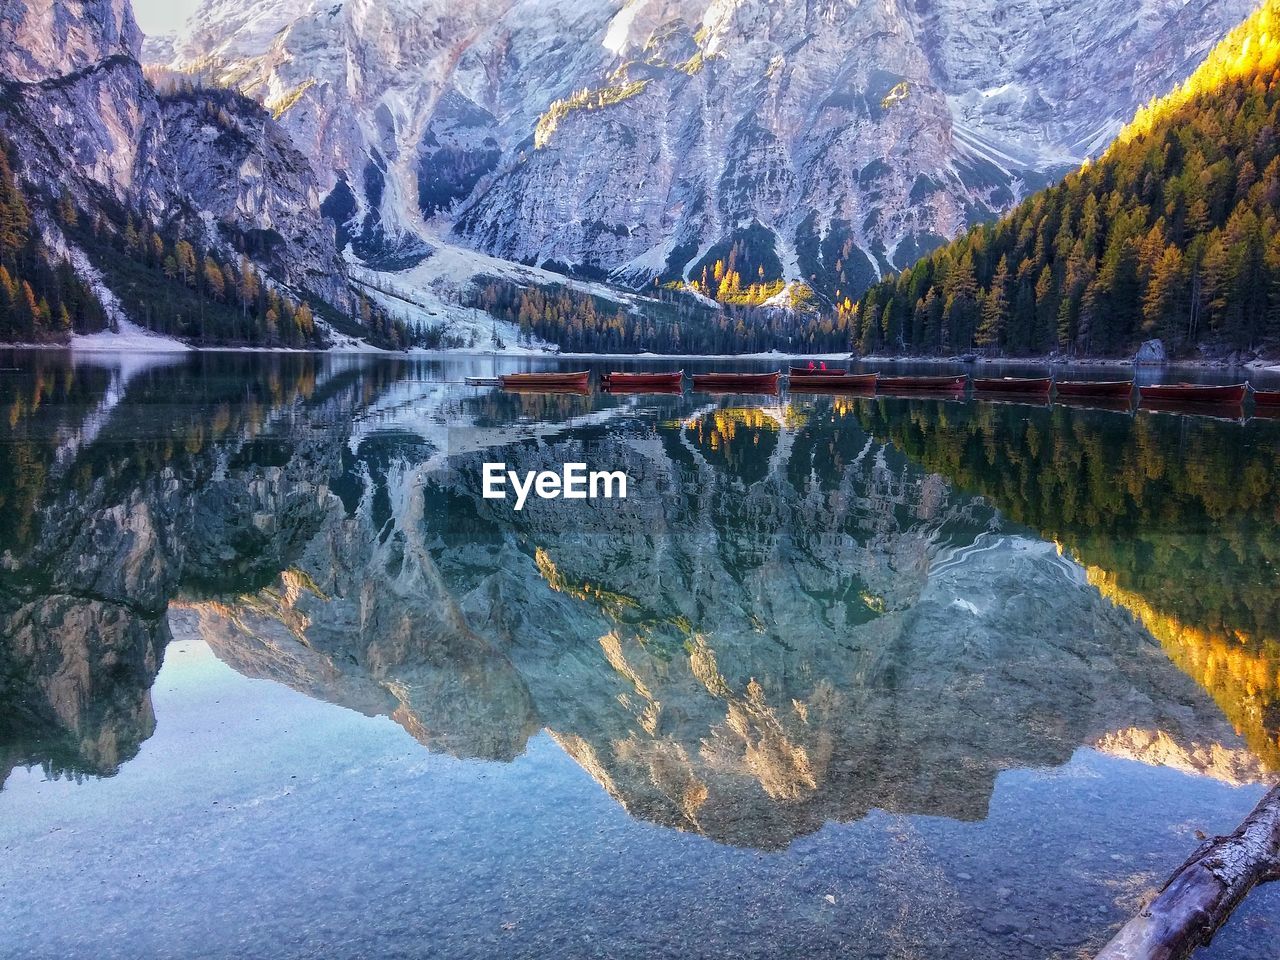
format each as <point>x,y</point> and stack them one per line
<point>28,311</point>
<point>961,311</point>
<point>66,212</point>
<point>1273,289</point>
<point>995,309</point>
<point>1164,309</point>
<point>186,257</point>
<point>15,218</point>
<point>248,285</point>
<point>132,240</point>
<point>214,280</point>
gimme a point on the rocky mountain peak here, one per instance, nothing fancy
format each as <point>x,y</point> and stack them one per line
<point>826,142</point>
<point>88,126</point>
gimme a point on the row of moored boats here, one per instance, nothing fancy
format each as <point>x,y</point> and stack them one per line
<point>821,380</point>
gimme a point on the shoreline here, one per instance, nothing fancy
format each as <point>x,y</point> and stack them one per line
<point>178,349</point>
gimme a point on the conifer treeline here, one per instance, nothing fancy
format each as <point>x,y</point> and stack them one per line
<point>164,277</point>
<point>165,282</point>
<point>174,287</point>
<point>41,298</point>
<point>1173,233</point>
<point>675,323</point>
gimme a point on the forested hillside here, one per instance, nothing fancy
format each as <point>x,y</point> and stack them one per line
<point>166,282</point>
<point>670,322</point>
<point>1173,233</point>
<point>41,298</point>
<point>162,277</point>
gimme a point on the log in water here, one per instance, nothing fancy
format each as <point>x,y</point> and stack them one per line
<point>1199,897</point>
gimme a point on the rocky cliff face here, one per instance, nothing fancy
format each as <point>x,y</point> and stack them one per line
<point>46,39</point>
<point>85,121</point>
<point>830,141</point>
<point>240,168</point>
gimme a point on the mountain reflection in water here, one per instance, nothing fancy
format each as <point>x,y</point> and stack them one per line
<point>806,610</point>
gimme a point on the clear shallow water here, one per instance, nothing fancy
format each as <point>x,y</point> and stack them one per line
<point>278,683</point>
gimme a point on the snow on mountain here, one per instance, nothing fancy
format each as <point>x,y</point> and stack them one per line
<point>832,141</point>
<point>432,293</point>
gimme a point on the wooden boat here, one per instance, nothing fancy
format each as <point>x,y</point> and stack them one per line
<point>484,382</point>
<point>833,383</point>
<point>926,384</point>
<point>1023,386</point>
<point>1095,389</point>
<point>818,371</point>
<point>580,380</point>
<point>1179,393</point>
<point>1267,398</point>
<point>641,381</point>
<point>737,382</point>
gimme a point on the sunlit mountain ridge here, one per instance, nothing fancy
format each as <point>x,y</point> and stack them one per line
<point>1172,234</point>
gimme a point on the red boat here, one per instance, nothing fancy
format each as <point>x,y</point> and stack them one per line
<point>639,382</point>
<point>736,382</point>
<point>916,384</point>
<point>1096,389</point>
<point>1232,395</point>
<point>1267,398</point>
<point>547,381</point>
<point>818,371</point>
<point>826,382</point>
<point>1023,386</point>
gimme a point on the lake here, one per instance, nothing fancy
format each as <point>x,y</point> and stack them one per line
<point>841,676</point>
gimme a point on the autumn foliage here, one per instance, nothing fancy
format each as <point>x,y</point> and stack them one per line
<point>1173,233</point>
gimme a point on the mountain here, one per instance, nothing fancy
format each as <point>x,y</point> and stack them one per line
<point>740,162</point>
<point>818,142</point>
<point>180,208</point>
<point>1174,232</point>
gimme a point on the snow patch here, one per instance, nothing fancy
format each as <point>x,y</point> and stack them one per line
<point>698,258</point>
<point>128,337</point>
<point>615,39</point>
<point>432,293</point>
<point>459,266</point>
<point>648,265</point>
<point>421,306</point>
<point>787,254</point>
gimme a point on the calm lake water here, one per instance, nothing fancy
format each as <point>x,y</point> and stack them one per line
<point>842,677</point>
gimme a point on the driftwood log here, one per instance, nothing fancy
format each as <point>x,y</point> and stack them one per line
<point>1199,897</point>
